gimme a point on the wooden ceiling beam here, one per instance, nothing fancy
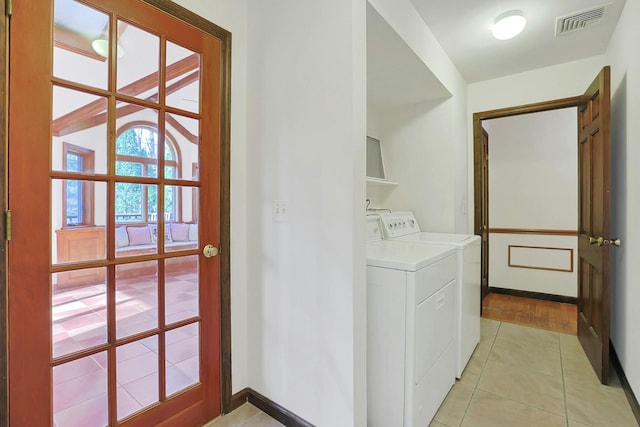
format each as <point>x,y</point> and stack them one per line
<point>125,110</point>
<point>72,120</point>
<point>74,42</point>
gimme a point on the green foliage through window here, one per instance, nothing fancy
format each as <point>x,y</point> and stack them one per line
<point>137,155</point>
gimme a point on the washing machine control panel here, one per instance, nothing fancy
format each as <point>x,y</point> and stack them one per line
<point>398,224</point>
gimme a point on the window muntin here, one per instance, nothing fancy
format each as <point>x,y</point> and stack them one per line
<point>136,155</point>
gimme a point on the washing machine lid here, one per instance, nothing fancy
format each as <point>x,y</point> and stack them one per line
<point>405,256</point>
<point>443,238</point>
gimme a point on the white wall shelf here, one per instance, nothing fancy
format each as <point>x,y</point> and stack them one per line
<point>377,182</point>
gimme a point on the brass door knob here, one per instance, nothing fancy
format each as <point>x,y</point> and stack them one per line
<point>600,241</point>
<point>210,251</point>
<point>613,242</point>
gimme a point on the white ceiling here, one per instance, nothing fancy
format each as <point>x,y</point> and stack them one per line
<point>463,28</point>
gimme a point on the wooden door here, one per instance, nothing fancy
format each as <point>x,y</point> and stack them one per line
<point>484,213</point>
<point>593,222</point>
<point>136,343</point>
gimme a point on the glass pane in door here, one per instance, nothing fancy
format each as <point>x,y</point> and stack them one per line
<point>180,208</point>
<point>137,141</point>
<point>78,129</point>
<point>183,361</point>
<point>135,208</point>
<point>80,396</point>
<point>138,62</point>
<point>137,376</point>
<point>185,132</point>
<point>78,311</point>
<point>78,222</point>
<point>80,43</point>
<point>136,298</point>
<point>181,288</point>
<point>183,78</point>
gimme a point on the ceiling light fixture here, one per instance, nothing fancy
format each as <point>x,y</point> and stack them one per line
<point>509,25</point>
<point>101,47</point>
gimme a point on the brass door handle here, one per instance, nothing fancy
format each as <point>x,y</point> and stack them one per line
<point>600,241</point>
<point>210,251</point>
<point>596,240</point>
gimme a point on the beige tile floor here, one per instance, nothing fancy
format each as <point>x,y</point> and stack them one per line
<point>517,377</point>
<point>245,416</point>
<point>521,376</point>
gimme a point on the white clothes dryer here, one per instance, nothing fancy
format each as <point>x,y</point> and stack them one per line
<point>403,226</point>
<point>410,329</point>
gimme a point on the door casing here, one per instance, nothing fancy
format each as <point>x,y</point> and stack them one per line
<point>484,216</point>
<point>4,315</point>
<point>479,193</point>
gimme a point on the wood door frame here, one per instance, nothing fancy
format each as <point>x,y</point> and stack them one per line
<point>224,36</point>
<point>477,146</point>
<point>4,315</point>
<point>484,215</point>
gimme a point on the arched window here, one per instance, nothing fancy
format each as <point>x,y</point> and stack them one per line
<point>137,155</point>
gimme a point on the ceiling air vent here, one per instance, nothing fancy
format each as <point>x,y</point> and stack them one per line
<point>579,20</point>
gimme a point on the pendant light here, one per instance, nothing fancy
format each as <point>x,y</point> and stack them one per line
<point>101,47</point>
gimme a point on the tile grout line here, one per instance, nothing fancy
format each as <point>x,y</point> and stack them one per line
<point>484,364</point>
<point>517,401</point>
<point>245,422</point>
<point>523,403</point>
<point>564,385</point>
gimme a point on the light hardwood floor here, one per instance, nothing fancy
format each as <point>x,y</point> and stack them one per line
<point>552,316</point>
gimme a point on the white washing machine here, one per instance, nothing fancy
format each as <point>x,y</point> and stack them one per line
<point>410,329</point>
<point>402,226</point>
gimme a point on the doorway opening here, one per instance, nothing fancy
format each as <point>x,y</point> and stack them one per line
<point>594,188</point>
<point>482,225</point>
